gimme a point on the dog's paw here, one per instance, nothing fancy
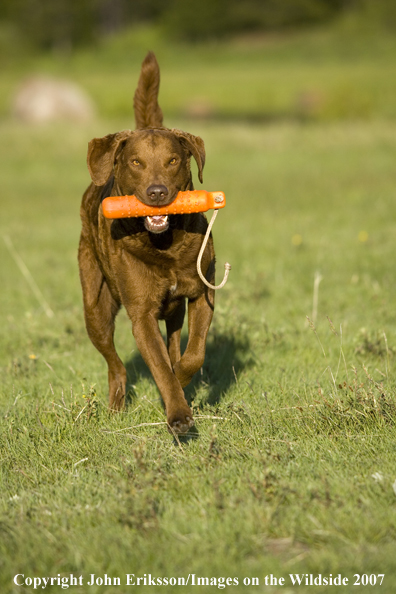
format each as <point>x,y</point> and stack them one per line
<point>180,421</point>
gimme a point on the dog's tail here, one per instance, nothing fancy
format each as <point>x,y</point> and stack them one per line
<point>148,113</point>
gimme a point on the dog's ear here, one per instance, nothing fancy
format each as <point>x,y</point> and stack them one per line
<point>196,146</point>
<point>102,154</point>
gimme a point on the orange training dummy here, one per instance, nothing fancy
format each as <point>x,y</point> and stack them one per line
<point>121,207</point>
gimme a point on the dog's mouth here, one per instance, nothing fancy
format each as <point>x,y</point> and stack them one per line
<point>156,223</point>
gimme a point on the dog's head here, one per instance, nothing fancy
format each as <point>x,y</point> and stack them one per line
<point>153,164</point>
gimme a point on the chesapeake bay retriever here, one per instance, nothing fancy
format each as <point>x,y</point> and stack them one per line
<point>147,264</point>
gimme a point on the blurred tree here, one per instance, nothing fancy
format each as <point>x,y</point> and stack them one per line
<point>116,14</point>
<point>64,24</point>
<point>56,24</point>
<point>200,19</point>
<point>380,14</point>
<point>193,20</point>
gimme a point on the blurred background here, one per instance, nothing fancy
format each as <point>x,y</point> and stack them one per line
<point>257,59</point>
<point>296,103</point>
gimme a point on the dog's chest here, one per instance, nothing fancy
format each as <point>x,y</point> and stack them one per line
<point>177,286</point>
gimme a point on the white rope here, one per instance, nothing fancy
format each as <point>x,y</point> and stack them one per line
<point>227,266</point>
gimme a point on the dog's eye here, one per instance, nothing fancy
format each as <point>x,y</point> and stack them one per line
<point>135,162</point>
<point>173,161</point>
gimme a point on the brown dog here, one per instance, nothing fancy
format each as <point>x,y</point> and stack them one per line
<point>148,264</point>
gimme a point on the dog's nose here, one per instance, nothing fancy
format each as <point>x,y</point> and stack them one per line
<point>157,193</point>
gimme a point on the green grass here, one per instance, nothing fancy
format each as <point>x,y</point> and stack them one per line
<point>292,466</point>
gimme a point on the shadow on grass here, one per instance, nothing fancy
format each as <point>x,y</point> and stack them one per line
<point>226,356</point>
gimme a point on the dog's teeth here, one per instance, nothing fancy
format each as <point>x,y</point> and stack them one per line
<point>162,218</point>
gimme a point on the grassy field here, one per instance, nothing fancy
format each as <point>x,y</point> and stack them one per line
<point>292,466</point>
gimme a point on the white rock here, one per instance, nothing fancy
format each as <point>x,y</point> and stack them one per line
<point>41,99</point>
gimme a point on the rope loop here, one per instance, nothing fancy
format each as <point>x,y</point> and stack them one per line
<point>227,266</point>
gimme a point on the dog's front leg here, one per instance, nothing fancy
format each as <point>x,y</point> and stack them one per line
<point>174,325</point>
<point>200,313</point>
<point>153,350</point>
